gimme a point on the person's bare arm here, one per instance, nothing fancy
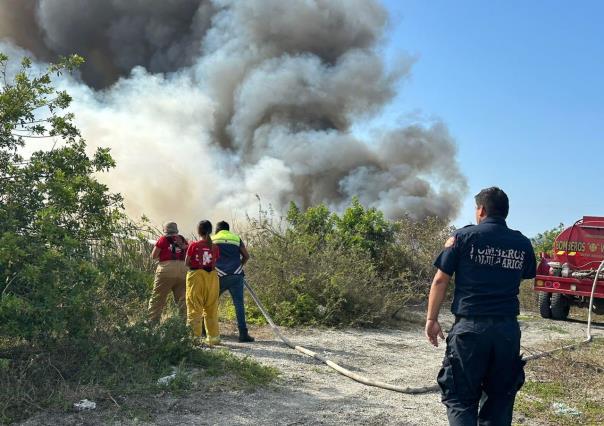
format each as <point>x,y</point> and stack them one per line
<point>245,256</point>
<point>155,253</point>
<point>438,291</point>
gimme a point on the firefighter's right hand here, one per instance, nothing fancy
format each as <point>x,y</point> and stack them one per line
<point>433,332</point>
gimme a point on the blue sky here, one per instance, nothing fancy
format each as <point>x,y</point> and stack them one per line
<point>521,87</point>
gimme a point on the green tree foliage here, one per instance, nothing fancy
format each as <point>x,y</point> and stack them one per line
<point>358,227</point>
<point>364,228</point>
<point>54,214</point>
<point>544,242</point>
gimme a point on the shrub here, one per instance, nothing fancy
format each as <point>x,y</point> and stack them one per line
<point>356,268</point>
<point>53,212</point>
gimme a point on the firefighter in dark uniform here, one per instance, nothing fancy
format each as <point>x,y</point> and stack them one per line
<point>482,369</point>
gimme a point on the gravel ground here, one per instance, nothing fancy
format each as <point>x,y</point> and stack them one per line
<point>308,392</point>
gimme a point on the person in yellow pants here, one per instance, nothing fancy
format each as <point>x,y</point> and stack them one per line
<point>203,287</point>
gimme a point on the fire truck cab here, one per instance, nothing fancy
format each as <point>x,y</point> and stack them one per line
<point>567,277</point>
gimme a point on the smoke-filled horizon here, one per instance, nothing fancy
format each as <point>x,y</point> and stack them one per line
<point>206,104</point>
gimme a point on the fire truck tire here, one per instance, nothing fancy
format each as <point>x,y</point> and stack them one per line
<point>598,307</point>
<point>544,301</point>
<point>560,306</point>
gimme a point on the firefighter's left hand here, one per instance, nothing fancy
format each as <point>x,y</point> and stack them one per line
<point>433,332</point>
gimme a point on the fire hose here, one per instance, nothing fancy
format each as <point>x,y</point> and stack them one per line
<point>338,368</point>
<point>588,337</point>
<point>408,390</point>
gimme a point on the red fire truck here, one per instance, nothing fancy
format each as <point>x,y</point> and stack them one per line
<point>567,278</point>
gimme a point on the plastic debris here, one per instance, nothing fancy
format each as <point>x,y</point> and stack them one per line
<point>165,381</point>
<point>562,409</point>
<point>84,405</point>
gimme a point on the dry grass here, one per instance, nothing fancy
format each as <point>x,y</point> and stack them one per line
<point>574,378</point>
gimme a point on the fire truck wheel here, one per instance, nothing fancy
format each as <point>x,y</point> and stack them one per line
<point>544,301</point>
<point>598,307</point>
<point>560,306</point>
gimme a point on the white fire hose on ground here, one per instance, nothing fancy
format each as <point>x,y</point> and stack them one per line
<point>338,368</point>
<point>409,390</point>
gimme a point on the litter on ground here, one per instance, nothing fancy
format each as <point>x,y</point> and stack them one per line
<point>84,405</point>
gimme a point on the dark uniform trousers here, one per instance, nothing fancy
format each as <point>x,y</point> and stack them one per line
<point>482,371</point>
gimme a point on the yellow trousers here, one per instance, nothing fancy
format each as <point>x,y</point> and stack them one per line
<point>203,290</point>
<point>169,278</point>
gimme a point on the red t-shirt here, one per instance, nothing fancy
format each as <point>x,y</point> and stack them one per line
<point>543,267</point>
<point>201,256</point>
<point>172,247</point>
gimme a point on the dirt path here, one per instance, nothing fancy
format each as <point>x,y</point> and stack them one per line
<point>310,393</point>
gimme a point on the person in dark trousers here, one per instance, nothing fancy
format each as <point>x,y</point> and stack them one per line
<point>482,370</point>
<point>233,256</point>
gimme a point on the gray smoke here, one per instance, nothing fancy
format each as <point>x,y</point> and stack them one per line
<point>208,103</point>
<point>113,35</point>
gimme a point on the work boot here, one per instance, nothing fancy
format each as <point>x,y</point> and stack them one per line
<point>244,337</point>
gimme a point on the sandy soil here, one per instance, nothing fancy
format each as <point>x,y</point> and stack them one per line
<point>308,392</point>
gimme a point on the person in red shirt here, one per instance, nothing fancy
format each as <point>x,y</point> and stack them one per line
<point>203,287</point>
<point>543,267</point>
<point>170,273</point>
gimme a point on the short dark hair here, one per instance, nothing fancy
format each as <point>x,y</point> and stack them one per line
<point>494,201</point>
<point>222,226</point>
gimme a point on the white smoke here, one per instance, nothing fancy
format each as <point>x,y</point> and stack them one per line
<point>256,98</point>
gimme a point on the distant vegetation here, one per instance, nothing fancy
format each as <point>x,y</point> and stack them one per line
<point>544,242</point>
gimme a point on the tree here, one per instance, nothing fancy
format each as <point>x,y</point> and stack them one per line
<point>365,228</point>
<point>544,242</point>
<point>316,222</point>
<point>55,217</point>
<point>358,227</point>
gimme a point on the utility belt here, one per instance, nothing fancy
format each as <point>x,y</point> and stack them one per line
<point>486,318</point>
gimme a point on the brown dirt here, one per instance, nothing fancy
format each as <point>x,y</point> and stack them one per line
<point>308,392</point>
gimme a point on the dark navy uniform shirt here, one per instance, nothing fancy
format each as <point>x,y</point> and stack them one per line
<point>489,260</point>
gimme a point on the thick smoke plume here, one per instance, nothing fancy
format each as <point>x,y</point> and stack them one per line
<point>113,35</point>
<point>207,103</point>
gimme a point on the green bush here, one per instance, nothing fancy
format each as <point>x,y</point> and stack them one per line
<point>356,268</point>
<point>54,214</point>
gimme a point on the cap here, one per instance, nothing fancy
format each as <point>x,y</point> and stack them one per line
<point>170,228</point>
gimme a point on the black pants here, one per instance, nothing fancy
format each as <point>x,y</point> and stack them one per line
<point>482,371</point>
